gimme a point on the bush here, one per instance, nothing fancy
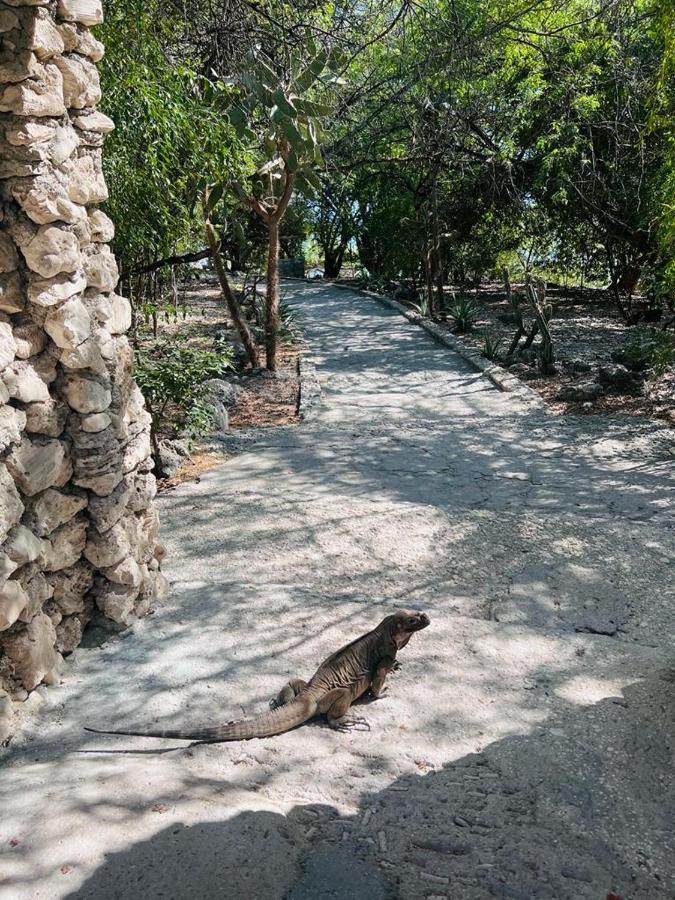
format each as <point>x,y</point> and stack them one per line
<point>464,314</point>
<point>171,377</point>
<point>647,349</point>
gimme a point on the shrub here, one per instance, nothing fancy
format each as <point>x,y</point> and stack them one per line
<point>171,378</point>
<point>464,314</point>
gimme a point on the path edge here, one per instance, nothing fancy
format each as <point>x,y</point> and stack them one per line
<point>498,376</point>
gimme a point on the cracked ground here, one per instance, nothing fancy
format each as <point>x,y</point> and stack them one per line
<point>525,748</point>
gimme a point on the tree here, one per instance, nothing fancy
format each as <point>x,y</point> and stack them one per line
<point>275,114</point>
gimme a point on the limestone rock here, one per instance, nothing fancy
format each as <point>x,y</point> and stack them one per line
<point>11,506</point>
<point>12,424</point>
<point>87,12</point>
<point>7,567</point>
<point>9,21</point>
<point>81,86</point>
<point>51,509</point>
<point>583,392</point>
<point>13,600</point>
<point>43,36</point>
<point>95,422</point>
<point>86,355</point>
<point>97,459</point>
<point>101,226</point>
<point>137,451</point>
<point>105,550</point>
<point>49,292</point>
<point>126,572</point>
<point>71,586</point>
<point>48,417</point>
<point>85,395</point>
<point>37,588</point>
<point>51,251</point>
<point>7,345</point>
<point>619,378</point>
<point>36,97</point>
<point>9,258</point>
<point>69,325</point>
<point>44,199</point>
<point>106,511</point>
<point>24,382</point>
<point>86,184</point>
<point>22,546</point>
<point>29,337</point>
<point>6,705</point>
<point>143,491</point>
<point>19,65</point>
<point>39,464</point>
<point>95,121</point>
<point>100,268</point>
<point>29,132</point>
<point>11,295</point>
<point>82,41</point>
<point>116,601</point>
<point>66,545</point>
<point>120,321</point>
<point>64,144</point>
<point>32,653</point>
<point>68,634</point>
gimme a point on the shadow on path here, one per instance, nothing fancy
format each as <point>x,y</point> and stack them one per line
<point>538,816</point>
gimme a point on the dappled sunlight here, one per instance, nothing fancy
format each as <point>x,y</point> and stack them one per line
<point>512,736</point>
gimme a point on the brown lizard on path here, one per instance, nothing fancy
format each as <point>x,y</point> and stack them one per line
<point>336,684</point>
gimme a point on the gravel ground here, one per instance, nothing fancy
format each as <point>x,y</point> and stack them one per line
<point>523,751</point>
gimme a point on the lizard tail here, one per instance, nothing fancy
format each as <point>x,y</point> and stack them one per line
<point>284,718</point>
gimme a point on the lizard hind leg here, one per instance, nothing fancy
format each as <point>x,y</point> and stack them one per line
<point>337,716</point>
<point>288,692</point>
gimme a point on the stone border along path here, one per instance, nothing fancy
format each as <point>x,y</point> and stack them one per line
<point>498,375</point>
<point>523,751</point>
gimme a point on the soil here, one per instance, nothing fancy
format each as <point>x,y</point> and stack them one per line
<point>201,321</point>
<point>586,328</point>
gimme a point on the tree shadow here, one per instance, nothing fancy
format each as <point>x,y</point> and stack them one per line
<point>551,815</point>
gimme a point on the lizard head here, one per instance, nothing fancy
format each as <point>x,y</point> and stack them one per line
<point>404,622</point>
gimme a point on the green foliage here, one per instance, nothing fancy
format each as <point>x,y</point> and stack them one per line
<point>463,313</point>
<point>423,308</point>
<point>165,131</point>
<point>170,377</point>
<point>491,346</point>
<point>648,349</point>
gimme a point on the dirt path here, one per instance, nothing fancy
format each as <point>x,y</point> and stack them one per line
<point>524,750</point>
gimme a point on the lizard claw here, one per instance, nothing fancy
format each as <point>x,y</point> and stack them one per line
<point>274,703</point>
<point>350,723</point>
<point>395,667</point>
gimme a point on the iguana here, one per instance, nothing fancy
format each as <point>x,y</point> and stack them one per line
<point>335,685</point>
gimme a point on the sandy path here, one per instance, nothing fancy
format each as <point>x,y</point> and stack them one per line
<point>518,753</point>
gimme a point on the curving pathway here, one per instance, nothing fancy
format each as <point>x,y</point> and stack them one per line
<point>523,751</point>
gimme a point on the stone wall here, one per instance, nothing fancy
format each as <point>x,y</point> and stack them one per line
<point>78,530</point>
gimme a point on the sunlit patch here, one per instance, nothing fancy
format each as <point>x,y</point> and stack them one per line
<point>582,690</point>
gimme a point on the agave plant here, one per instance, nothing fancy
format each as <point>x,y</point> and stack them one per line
<point>491,346</point>
<point>464,314</point>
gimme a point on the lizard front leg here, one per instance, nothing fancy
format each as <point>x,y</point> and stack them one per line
<point>386,665</point>
<point>336,704</point>
<point>288,692</point>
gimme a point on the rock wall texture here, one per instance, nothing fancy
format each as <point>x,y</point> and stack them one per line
<point>78,530</point>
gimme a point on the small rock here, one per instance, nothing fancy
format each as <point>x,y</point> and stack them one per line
<point>586,391</point>
<point>619,378</point>
<point>597,625</point>
<point>576,873</point>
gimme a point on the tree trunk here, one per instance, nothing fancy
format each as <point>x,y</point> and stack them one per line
<point>272,297</point>
<point>230,299</point>
<point>332,260</point>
